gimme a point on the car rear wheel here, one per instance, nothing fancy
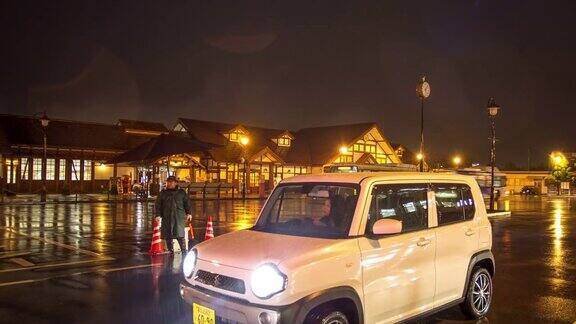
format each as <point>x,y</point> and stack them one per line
<point>479,295</point>
<point>326,316</point>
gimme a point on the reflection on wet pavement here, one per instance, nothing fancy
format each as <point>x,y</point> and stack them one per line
<point>88,262</point>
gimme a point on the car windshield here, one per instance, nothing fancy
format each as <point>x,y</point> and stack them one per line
<point>310,209</point>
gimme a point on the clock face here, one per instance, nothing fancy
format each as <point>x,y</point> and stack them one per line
<point>425,89</point>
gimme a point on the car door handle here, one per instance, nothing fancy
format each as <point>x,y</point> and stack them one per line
<point>470,232</point>
<point>423,242</point>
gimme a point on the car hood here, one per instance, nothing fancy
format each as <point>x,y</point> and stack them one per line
<point>248,249</point>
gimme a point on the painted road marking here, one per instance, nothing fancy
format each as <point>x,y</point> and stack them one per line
<point>45,240</point>
<point>7,255</point>
<point>102,272</point>
<point>21,262</point>
<point>61,264</point>
<point>97,256</point>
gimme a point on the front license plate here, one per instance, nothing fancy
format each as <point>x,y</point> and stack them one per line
<point>203,315</point>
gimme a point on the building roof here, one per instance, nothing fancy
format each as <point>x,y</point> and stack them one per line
<point>213,132</point>
<point>162,146</point>
<point>407,156</point>
<point>317,145</point>
<point>27,131</point>
<point>139,125</point>
<point>309,146</point>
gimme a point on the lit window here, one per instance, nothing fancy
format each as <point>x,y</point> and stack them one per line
<point>50,169</point>
<point>24,168</point>
<point>36,169</point>
<point>87,169</point>
<point>284,141</point>
<point>179,128</point>
<point>9,173</point>
<point>61,169</point>
<point>345,159</point>
<point>75,170</point>
<point>233,137</point>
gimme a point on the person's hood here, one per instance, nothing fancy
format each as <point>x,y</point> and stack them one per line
<point>248,249</point>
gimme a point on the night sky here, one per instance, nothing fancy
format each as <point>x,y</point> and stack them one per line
<point>295,64</point>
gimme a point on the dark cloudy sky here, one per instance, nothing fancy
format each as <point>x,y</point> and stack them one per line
<point>293,64</point>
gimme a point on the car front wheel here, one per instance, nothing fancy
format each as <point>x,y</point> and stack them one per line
<point>327,316</point>
<point>479,295</point>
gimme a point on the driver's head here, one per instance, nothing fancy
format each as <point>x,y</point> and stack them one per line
<point>326,208</point>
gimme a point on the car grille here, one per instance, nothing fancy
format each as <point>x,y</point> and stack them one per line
<point>220,281</point>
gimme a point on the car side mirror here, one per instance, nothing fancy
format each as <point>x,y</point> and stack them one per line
<point>387,226</point>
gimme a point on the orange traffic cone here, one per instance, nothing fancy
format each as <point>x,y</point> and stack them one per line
<point>209,229</point>
<point>156,247</point>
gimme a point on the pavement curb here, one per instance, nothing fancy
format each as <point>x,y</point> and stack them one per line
<point>500,214</point>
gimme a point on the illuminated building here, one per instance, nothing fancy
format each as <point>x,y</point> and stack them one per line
<point>274,154</point>
<point>77,153</point>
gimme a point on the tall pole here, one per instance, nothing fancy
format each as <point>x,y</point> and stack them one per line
<point>423,91</point>
<point>492,162</point>
<point>492,109</point>
<point>422,133</point>
<point>244,140</point>
<point>44,171</point>
<point>244,179</point>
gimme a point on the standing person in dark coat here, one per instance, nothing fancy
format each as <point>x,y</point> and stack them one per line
<point>173,206</point>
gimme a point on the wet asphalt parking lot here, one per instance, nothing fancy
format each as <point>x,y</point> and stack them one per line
<point>87,262</point>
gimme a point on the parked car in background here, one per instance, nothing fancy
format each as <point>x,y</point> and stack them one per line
<point>529,191</point>
<point>339,248</point>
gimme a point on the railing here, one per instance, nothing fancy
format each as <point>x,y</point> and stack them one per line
<point>209,187</point>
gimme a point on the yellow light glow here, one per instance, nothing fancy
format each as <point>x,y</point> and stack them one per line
<point>244,140</point>
<point>457,160</point>
<point>558,159</point>
<point>343,150</point>
<point>419,156</point>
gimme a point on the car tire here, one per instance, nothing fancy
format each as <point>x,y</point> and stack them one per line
<point>478,297</point>
<point>326,315</point>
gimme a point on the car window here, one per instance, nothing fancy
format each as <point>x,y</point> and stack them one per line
<point>454,203</point>
<point>406,203</point>
<point>468,203</point>
<point>310,209</point>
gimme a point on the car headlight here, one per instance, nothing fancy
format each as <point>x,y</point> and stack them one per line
<point>267,281</point>
<point>189,263</point>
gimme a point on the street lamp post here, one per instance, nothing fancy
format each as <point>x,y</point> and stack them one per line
<point>492,109</point>
<point>244,142</point>
<point>423,92</point>
<point>44,122</point>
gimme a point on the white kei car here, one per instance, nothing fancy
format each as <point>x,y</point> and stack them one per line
<point>349,248</point>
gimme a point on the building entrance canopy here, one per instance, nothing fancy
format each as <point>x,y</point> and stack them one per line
<point>162,146</point>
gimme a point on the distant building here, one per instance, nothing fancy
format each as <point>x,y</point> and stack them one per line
<point>77,153</point>
<point>516,180</point>
<point>274,154</point>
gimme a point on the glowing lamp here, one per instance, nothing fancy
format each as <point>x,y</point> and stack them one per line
<point>457,160</point>
<point>492,108</point>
